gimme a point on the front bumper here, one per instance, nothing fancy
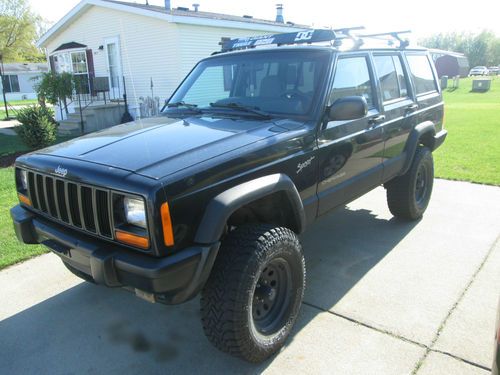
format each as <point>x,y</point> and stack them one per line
<point>172,279</point>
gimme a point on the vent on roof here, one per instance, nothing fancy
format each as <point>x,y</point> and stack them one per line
<point>196,6</point>
<point>279,13</point>
<point>247,16</point>
<point>183,8</point>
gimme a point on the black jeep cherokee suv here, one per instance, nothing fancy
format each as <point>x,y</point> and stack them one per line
<point>253,146</point>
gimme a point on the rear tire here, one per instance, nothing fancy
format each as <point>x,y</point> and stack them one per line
<point>408,195</point>
<point>253,295</point>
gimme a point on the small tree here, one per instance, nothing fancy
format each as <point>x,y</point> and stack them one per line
<point>55,87</point>
<point>38,128</point>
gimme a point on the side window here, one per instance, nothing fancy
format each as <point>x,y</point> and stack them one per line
<point>10,83</point>
<point>352,78</point>
<point>392,79</point>
<point>388,78</point>
<point>421,72</point>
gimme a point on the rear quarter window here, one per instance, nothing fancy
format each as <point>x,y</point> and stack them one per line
<point>421,72</point>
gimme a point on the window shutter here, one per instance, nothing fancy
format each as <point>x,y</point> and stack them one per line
<point>52,64</point>
<point>90,68</point>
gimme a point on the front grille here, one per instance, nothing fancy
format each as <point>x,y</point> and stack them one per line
<point>80,206</point>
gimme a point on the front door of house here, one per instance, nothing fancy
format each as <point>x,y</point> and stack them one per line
<point>113,59</point>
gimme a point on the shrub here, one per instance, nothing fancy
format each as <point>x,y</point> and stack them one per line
<point>38,128</point>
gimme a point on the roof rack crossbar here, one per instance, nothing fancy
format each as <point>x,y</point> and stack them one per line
<point>403,43</point>
<point>345,33</point>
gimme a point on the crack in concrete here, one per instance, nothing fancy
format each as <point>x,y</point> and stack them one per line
<point>399,337</point>
<point>452,309</point>
<point>428,348</point>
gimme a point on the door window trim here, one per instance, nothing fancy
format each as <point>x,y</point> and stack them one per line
<point>405,73</point>
<point>434,76</point>
<point>371,73</point>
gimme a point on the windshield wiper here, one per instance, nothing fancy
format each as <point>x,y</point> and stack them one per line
<point>182,104</point>
<point>243,108</point>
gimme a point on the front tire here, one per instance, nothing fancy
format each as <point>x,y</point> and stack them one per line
<point>253,295</point>
<point>408,195</point>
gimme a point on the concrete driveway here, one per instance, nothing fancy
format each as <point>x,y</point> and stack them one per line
<point>383,297</point>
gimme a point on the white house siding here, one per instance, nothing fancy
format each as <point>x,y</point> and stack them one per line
<point>146,48</point>
<point>196,42</point>
<point>26,86</point>
<point>150,48</point>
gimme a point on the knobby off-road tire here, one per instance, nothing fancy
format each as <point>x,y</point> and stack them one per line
<point>408,195</point>
<point>80,274</point>
<point>253,295</point>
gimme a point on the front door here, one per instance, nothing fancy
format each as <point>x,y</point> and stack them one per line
<point>113,59</point>
<point>350,152</point>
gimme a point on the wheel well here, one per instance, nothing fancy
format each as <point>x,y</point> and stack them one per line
<point>274,209</point>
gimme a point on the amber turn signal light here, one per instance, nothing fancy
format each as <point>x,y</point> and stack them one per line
<point>132,239</point>
<point>24,199</point>
<point>168,233</point>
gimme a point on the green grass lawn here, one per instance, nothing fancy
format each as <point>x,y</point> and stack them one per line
<point>10,144</point>
<point>471,151</point>
<point>11,250</point>
<point>20,102</point>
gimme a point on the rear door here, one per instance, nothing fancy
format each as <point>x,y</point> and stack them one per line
<point>398,107</point>
<point>426,87</point>
<point>350,152</point>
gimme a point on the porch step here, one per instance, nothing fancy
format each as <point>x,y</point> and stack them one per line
<point>76,115</point>
<point>70,126</point>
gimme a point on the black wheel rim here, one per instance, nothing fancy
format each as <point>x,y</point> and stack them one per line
<point>421,185</point>
<point>272,297</point>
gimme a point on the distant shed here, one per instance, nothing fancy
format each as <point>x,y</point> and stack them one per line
<point>449,63</point>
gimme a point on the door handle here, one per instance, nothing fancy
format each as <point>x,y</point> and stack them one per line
<point>412,107</point>
<point>375,120</point>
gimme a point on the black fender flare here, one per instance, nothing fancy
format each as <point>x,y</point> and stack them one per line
<point>422,130</point>
<point>222,206</point>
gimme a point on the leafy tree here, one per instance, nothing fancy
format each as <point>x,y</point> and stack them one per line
<point>54,87</point>
<point>480,49</point>
<point>19,29</point>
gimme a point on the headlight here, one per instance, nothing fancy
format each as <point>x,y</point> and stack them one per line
<point>135,212</point>
<point>23,178</point>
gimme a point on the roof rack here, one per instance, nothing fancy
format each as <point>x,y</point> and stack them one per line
<point>403,43</point>
<point>334,36</point>
<point>298,37</point>
<point>345,33</point>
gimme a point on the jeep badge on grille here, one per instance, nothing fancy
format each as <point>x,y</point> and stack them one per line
<point>61,171</point>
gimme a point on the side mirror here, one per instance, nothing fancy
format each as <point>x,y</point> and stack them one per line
<point>348,108</point>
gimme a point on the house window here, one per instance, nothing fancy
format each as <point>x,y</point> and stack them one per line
<point>76,64</point>
<point>11,83</point>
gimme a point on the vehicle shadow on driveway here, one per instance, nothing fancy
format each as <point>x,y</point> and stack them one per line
<point>92,329</point>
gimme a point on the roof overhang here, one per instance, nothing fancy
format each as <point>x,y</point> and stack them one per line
<point>84,5</point>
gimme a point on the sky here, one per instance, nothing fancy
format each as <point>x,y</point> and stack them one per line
<point>423,17</point>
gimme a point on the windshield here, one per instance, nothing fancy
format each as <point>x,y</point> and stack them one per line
<point>280,83</point>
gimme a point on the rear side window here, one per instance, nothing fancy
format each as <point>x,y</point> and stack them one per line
<point>421,72</point>
<point>391,76</point>
<point>352,78</point>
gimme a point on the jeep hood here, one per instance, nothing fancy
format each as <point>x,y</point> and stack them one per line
<point>159,146</point>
